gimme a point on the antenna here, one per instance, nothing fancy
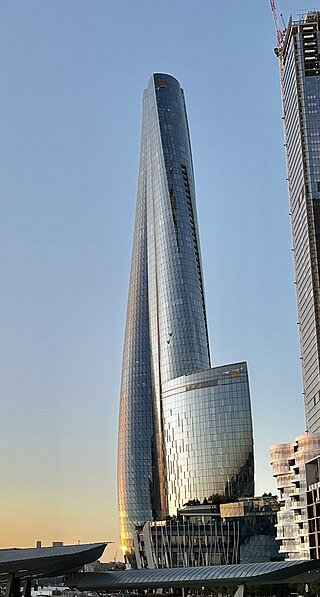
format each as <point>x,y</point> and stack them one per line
<point>280,33</point>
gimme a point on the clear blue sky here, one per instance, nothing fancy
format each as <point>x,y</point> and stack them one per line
<point>73,74</point>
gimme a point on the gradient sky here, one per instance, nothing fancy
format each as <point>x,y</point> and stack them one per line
<point>73,74</point>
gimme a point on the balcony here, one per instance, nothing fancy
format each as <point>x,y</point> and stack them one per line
<point>295,505</point>
<point>295,491</point>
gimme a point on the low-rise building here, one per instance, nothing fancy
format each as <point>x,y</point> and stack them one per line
<point>257,532</point>
<point>210,533</point>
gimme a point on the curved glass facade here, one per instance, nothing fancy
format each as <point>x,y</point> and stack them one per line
<point>208,435</point>
<point>135,434</point>
<point>166,333</point>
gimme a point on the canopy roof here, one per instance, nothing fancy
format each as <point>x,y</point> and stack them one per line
<point>48,561</point>
<point>263,573</point>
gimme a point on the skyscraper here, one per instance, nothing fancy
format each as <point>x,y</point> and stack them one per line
<point>185,430</point>
<point>298,51</point>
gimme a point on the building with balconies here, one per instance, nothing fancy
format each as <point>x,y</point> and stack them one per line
<point>289,468</point>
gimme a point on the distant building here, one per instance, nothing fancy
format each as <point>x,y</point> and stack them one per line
<point>288,466</point>
<point>204,534</point>
<point>103,566</point>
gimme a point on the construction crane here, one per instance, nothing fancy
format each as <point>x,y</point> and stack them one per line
<point>280,32</point>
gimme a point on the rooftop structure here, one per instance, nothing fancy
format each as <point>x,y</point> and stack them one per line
<point>203,576</point>
<point>18,565</point>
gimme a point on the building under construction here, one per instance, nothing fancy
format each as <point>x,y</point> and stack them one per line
<point>298,52</point>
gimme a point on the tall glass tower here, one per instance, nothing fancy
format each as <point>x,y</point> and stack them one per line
<point>185,430</point>
<point>298,52</point>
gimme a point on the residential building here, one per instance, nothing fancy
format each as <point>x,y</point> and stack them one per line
<point>185,430</point>
<point>288,466</point>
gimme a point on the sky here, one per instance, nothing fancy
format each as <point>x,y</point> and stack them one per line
<point>73,74</point>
